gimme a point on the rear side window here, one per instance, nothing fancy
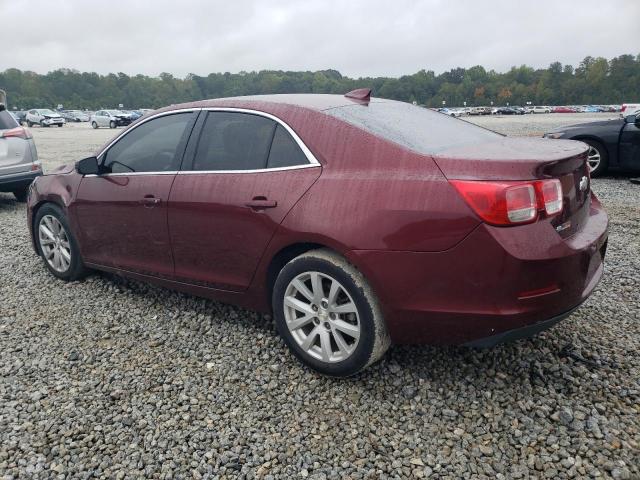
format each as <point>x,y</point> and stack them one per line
<point>416,128</point>
<point>234,141</point>
<point>285,152</point>
<point>7,121</point>
<point>154,146</point>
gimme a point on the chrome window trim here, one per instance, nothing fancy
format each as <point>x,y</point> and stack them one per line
<point>311,158</point>
<point>129,130</point>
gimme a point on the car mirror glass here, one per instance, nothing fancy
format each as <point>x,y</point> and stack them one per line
<point>88,166</point>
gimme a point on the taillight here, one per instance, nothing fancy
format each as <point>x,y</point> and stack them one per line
<point>511,203</point>
<point>550,194</point>
<point>18,132</point>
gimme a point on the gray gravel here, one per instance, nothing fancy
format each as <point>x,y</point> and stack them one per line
<point>116,379</point>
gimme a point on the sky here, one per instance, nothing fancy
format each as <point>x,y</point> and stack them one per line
<point>357,38</point>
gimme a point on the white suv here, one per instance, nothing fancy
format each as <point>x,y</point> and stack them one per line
<point>539,109</point>
<point>43,117</point>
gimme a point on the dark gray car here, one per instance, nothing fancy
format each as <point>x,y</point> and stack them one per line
<point>19,163</point>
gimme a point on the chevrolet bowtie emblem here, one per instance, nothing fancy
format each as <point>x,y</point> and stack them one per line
<point>584,183</point>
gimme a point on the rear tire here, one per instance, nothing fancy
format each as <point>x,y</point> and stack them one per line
<point>53,239</point>
<point>21,194</point>
<point>597,150</point>
<point>328,315</point>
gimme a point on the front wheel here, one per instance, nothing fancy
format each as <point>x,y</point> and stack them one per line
<point>112,124</point>
<point>57,245</point>
<point>328,315</point>
<point>29,124</point>
<point>21,194</point>
<point>94,125</point>
<point>60,124</point>
<point>597,158</point>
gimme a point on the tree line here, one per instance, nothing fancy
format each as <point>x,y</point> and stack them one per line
<point>593,81</point>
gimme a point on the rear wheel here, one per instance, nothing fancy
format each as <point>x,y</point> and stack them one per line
<point>328,314</point>
<point>597,158</point>
<point>57,245</point>
<point>21,194</point>
<point>94,125</point>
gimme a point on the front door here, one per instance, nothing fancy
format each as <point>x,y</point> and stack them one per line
<point>122,213</point>
<point>630,146</point>
<point>246,174</point>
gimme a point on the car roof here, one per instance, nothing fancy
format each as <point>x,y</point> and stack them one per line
<point>312,101</point>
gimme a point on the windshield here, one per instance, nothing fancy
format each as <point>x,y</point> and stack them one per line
<point>114,112</point>
<point>416,128</point>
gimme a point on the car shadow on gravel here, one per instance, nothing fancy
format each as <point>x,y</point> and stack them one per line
<point>534,362</point>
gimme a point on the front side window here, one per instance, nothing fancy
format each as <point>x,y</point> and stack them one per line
<point>234,141</point>
<point>154,146</point>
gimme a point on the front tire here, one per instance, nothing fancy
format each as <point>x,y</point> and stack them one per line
<point>328,315</point>
<point>94,125</point>
<point>57,245</point>
<point>597,158</point>
<point>29,124</point>
<point>21,194</point>
<point>112,124</point>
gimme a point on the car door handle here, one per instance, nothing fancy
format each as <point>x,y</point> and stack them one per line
<point>259,203</point>
<point>150,201</point>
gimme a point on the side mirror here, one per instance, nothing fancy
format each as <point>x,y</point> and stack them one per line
<point>88,166</point>
<point>631,118</point>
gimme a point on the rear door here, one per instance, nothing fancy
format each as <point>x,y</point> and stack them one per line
<point>15,156</point>
<point>246,173</point>
<point>122,212</point>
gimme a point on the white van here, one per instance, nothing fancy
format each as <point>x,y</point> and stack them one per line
<point>630,109</point>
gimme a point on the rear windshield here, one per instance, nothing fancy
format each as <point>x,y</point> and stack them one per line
<point>7,121</point>
<point>415,128</point>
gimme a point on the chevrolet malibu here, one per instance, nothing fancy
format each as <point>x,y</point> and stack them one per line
<point>357,222</point>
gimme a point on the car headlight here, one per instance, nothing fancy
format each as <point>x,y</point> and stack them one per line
<point>553,135</point>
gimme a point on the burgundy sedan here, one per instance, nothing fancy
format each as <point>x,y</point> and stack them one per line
<point>358,222</point>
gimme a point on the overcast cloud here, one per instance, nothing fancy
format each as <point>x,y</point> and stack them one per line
<point>358,38</point>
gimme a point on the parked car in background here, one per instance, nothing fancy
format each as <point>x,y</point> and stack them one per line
<point>133,114</point>
<point>563,110</point>
<point>519,110</point>
<point>356,221</point>
<point>540,109</point>
<point>613,144</point>
<point>452,112</point>
<point>592,109</point>
<point>75,116</point>
<point>19,163</point>
<point>20,116</point>
<point>629,109</point>
<point>43,117</point>
<point>110,118</point>
<point>506,111</point>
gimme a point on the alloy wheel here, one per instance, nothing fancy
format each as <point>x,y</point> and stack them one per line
<point>322,317</point>
<point>593,158</point>
<point>54,243</point>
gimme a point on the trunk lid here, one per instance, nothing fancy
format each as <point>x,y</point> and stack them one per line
<point>522,159</point>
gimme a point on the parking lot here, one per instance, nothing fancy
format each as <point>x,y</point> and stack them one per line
<point>116,379</point>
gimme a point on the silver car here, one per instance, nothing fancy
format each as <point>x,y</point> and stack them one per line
<point>43,117</point>
<point>19,163</point>
<point>110,118</point>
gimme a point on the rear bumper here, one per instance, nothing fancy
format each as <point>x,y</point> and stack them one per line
<point>17,181</point>
<point>497,282</point>
<point>519,333</point>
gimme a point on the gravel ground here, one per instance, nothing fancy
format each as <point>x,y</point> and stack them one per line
<point>114,379</point>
